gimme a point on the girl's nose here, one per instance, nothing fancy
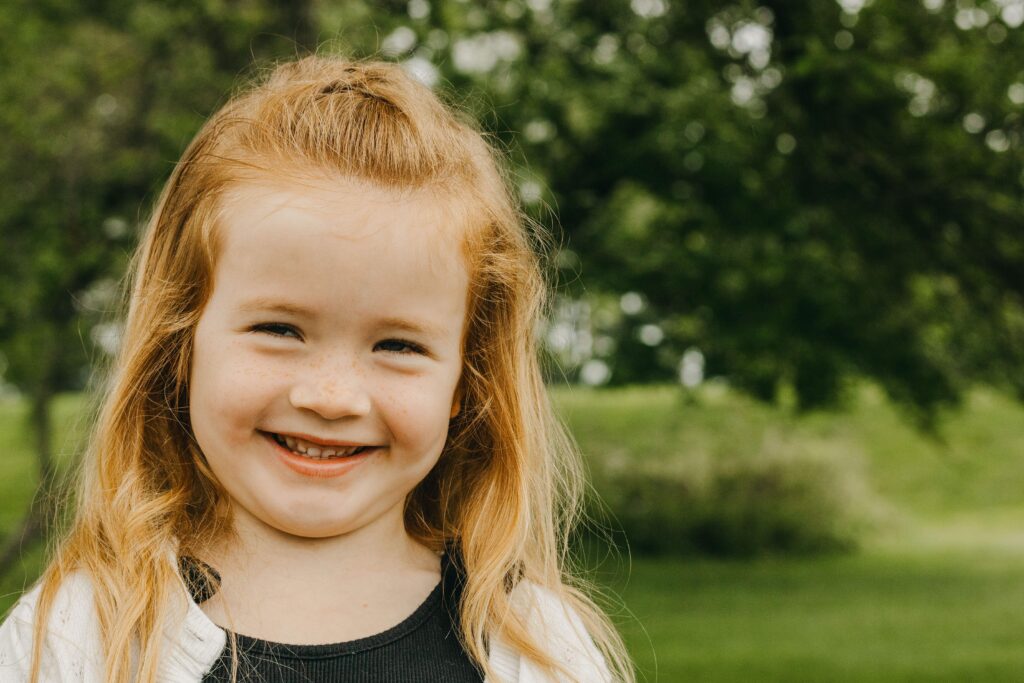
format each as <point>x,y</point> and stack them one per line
<point>331,397</point>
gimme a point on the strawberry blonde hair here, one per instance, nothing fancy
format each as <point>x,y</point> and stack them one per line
<point>507,489</point>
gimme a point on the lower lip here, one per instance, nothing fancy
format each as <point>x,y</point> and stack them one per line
<point>322,469</point>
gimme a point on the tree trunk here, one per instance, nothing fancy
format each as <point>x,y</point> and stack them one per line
<point>37,520</point>
<point>298,17</point>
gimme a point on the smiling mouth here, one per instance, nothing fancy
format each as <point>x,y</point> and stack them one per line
<point>316,452</point>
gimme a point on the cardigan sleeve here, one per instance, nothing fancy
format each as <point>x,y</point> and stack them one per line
<point>562,631</point>
<point>70,650</point>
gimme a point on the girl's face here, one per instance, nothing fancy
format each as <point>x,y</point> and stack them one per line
<point>335,321</point>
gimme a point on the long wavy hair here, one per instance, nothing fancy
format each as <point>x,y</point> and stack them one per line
<point>507,489</point>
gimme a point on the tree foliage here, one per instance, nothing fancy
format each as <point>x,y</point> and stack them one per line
<point>803,192</point>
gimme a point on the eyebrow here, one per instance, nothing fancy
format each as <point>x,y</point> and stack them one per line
<point>275,306</point>
<point>410,326</point>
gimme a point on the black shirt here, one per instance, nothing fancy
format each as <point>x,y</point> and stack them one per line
<point>423,648</point>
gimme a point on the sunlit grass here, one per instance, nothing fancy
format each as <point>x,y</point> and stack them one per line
<point>873,617</point>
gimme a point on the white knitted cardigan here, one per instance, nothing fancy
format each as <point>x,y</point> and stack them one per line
<point>192,642</point>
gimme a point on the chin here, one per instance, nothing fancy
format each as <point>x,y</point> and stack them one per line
<point>312,533</point>
<point>312,527</point>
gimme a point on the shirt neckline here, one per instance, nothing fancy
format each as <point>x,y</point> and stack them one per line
<point>448,582</point>
<point>348,647</point>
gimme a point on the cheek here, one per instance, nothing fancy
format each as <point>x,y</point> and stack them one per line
<point>418,411</point>
<point>228,392</point>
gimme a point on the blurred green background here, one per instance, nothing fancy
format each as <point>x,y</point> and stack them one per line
<point>789,324</point>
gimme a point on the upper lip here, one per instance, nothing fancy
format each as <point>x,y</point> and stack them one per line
<point>321,442</point>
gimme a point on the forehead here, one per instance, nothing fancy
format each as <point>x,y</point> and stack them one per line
<point>355,208</point>
<point>340,242</point>
<point>433,219</point>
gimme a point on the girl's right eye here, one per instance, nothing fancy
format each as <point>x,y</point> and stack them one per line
<point>276,330</point>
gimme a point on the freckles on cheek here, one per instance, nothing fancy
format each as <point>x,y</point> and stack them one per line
<point>250,382</point>
<point>419,414</point>
<point>228,385</point>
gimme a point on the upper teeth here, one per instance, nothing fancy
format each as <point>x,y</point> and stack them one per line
<point>312,450</point>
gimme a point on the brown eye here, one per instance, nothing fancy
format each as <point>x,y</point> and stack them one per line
<point>400,347</point>
<point>276,330</point>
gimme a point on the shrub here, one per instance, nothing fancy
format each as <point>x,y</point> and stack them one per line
<point>785,498</point>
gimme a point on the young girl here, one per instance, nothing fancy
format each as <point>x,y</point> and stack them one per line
<point>326,452</point>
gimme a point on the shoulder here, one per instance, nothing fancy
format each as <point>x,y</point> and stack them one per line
<point>559,626</point>
<point>71,647</point>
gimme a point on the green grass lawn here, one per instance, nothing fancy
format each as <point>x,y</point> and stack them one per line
<point>936,594</point>
<point>872,617</point>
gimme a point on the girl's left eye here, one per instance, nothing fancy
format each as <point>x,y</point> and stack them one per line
<point>276,329</point>
<point>400,347</point>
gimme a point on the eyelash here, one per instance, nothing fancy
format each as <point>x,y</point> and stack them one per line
<point>273,329</point>
<point>413,348</point>
<point>270,327</point>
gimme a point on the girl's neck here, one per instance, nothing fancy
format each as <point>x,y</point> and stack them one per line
<point>256,549</point>
<point>301,590</point>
